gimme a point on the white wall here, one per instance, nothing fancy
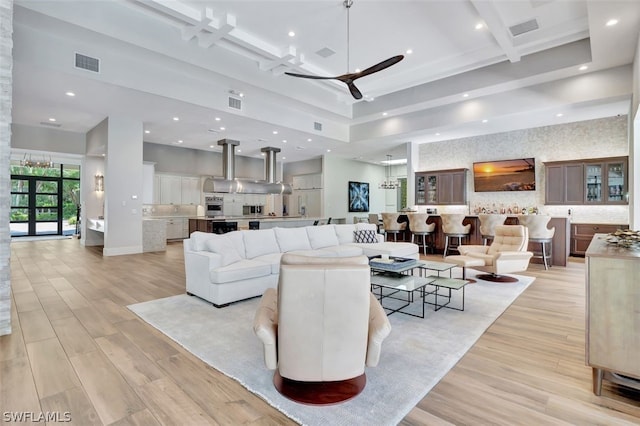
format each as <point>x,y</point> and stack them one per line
<point>92,202</point>
<point>47,139</point>
<point>123,180</point>
<point>337,174</point>
<point>634,146</point>
<point>606,137</point>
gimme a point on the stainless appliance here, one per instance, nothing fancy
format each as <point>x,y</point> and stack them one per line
<point>252,210</point>
<point>213,206</point>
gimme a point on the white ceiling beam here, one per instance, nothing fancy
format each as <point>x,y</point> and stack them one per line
<point>488,12</point>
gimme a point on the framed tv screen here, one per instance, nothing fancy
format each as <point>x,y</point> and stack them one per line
<point>505,175</point>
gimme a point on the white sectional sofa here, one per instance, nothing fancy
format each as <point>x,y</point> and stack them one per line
<point>243,264</point>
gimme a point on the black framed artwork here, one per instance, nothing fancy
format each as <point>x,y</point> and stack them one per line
<point>358,197</point>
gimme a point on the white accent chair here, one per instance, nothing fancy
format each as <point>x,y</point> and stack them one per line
<point>507,254</point>
<point>321,328</point>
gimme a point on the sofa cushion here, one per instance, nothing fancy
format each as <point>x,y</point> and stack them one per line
<point>345,250</point>
<point>366,226</point>
<point>200,238</point>
<point>243,270</point>
<point>238,242</point>
<point>322,236</point>
<point>259,241</point>
<point>272,259</point>
<point>223,246</point>
<point>315,253</point>
<point>290,239</point>
<point>345,233</point>
<point>390,248</point>
<point>366,236</point>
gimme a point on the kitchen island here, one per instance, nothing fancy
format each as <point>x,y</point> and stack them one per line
<point>206,224</point>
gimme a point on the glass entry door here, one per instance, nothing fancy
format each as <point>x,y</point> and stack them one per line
<point>36,204</point>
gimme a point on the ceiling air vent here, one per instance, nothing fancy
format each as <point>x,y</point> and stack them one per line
<point>235,103</point>
<point>325,52</point>
<point>87,63</point>
<point>524,27</point>
<point>317,126</point>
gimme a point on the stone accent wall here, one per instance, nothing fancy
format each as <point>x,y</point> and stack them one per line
<point>6,79</point>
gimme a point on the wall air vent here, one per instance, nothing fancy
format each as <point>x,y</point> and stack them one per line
<point>317,126</point>
<point>524,27</point>
<point>87,63</point>
<point>235,103</point>
<point>50,124</point>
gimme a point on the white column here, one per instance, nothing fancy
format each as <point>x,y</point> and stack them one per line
<point>123,180</point>
<point>413,152</point>
<point>6,81</point>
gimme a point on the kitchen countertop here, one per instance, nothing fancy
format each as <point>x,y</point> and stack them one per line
<point>262,218</point>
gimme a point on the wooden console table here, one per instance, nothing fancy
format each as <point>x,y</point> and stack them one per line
<point>613,312</point>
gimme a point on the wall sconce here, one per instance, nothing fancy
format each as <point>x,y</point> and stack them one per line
<point>99,183</point>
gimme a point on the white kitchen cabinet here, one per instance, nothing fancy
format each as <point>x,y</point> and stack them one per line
<point>175,228</point>
<point>307,202</point>
<point>310,181</point>
<point>232,204</point>
<point>190,190</point>
<point>170,189</point>
<point>156,189</point>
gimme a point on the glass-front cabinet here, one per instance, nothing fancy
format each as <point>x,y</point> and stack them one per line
<point>441,187</point>
<point>593,181</point>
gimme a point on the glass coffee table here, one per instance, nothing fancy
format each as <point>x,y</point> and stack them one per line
<point>436,266</point>
<point>395,282</point>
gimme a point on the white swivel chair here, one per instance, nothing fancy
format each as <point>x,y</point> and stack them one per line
<point>488,223</point>
<point>419,228</point>
<point>392,226</point>
<point>452,227</point>
<point>321,328</point>
<point>540,234</point>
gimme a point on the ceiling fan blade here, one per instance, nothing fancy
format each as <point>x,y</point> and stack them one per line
<point>379,67</point>
<point>354,90</point>
<point>315,77</point>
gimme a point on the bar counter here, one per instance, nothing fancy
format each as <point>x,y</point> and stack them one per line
<point>206,224</point>
<point>560,243</point>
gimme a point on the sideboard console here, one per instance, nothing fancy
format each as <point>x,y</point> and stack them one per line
<point>613,319</point>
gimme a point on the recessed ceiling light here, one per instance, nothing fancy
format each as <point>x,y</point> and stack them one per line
<point>466,95</point>
<point>328,150</point>
<point>52,119</point>
<point>222,128</point>
<point>70,94</point>
<point>612,22</point>
<point>284,141</point>
<point>284,158</point>
<point>176,119</point>
<point>147,131</point>
<point>212,146</point>
<point>583,68</point>
<point>292,34</point>
<point>262,153</point>
<point>409,51</point>
<point>479,26</point>
<point>217,118</point>
<point>104,155</point>
<point>384,113</point>
<point>241,95</point>
<point>437,134</point>
<point>275,132</point>
<point>309,140</point>
<point>239,150</point>
<point>357,70</point>
<point>559,114</point>
<point>485,121</point>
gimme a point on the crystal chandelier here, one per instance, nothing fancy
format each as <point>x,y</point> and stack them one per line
<point>388,182</point>
<point>43,164</point>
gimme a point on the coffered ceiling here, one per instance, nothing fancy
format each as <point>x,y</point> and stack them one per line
<point>471,67</point>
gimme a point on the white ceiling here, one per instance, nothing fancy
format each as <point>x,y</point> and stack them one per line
<point>163,59</point>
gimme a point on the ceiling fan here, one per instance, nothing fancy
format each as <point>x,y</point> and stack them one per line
<point>348,78</point>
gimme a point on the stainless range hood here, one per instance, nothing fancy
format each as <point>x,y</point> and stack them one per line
<point>245,186</point>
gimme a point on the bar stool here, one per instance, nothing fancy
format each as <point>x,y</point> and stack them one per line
<point>392,226</point>
<point>374,218</point>
<point>419,228</point>
<point>488,223</point>
<point>452,227</point>
<point>540,234</point>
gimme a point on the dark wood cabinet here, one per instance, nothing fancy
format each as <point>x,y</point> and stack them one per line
<point>582,234</point>
<point>597,181</point>
<point>441,187</point>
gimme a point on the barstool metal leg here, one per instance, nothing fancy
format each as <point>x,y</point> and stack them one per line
<point>446,245</point>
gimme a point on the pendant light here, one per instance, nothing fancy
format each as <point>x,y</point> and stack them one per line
<point>389,183</point>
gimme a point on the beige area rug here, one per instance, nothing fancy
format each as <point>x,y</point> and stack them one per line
<point>416,355</point>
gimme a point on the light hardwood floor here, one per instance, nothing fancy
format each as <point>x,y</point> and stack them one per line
<point>76,348</point>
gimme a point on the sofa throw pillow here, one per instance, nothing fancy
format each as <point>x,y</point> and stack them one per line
<point>367,236</point>
<point>290,239</point>
<point>224,247</point>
